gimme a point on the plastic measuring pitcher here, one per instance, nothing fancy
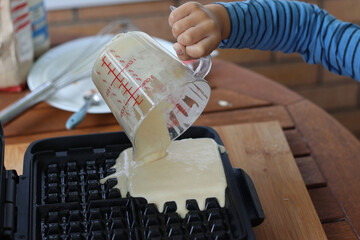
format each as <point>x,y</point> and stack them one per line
<point>136,75</point>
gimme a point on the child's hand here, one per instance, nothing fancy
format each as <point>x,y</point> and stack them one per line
<point>198,29</point>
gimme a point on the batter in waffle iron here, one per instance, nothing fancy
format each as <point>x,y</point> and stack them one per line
<point>174,171</point>
<point>158,169</point>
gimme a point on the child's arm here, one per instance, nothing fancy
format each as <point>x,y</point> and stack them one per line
<point>291,26</point>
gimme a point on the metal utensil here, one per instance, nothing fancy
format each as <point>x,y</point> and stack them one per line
<point>91,98</point>
<point>76,69</point>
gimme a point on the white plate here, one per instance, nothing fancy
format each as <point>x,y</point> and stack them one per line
<point>69,98</point>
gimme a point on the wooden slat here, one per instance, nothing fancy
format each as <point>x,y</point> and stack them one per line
<point>49,120</point>
<point>263,114</point>
<point>8,98</point>
<point>297,143</point>
<point>69,31</point>
<point>262,151</point>
<point>310,172</point>
<point>126,9</point>
<point>337,153</point>
<point>42,123</point>
<point>44,120</point>
<point>230,76</point>
<point>339,231</point>
<point>76,131</point>
<point>233,99</point>
<point>325,204</point>
<point>14,156</point>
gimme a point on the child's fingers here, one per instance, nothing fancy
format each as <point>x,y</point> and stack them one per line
<point>177,14</point>
<point>192,20</point>
<point>191,36</point>
<point>198,32</point>
<point>182,25</point>
<point>181,52</point>
<point>202,48</point>
<point>182,11</point>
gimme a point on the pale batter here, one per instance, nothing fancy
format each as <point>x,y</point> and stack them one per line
<point>161,170</point>
<point>152,138</point>
<point>192,169</point>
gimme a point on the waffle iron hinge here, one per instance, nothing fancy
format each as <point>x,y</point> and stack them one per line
<point>10,209</point>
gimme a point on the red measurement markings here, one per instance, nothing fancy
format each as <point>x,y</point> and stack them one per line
<point>112,70</point>
<point>178,107</point>
<point>146,81</point>
<point>121,81</point>
<point>135,75</point>
<point>181,109</point>
<point>108,91</point>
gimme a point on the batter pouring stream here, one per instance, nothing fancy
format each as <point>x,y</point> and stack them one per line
<point>157,169</point>
<point>165,171</point>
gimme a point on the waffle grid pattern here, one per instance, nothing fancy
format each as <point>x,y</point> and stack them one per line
<point>72,204</point>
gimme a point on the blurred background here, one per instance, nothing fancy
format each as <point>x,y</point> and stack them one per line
<point>339,96</point>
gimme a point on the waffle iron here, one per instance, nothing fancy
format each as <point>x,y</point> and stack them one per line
<point>59,196</point>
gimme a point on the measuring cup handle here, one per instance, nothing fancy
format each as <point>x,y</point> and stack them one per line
<point>204,67</point>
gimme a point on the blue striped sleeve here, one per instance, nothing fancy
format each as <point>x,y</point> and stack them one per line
<point>292,26</point>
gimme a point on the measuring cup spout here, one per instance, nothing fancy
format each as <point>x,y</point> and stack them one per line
<point>204,67</point>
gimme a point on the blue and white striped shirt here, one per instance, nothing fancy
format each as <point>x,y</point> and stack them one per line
<point>291,26</point>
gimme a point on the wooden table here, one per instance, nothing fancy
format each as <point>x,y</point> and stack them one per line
<point>327,155</point>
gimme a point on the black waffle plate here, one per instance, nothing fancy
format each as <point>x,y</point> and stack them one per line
<point>61,197</point>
